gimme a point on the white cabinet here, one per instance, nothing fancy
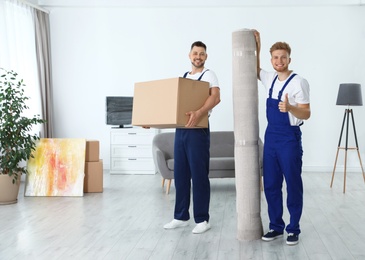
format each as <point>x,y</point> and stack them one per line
<point>131,151</point>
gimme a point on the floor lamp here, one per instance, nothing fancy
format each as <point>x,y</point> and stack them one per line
<point>349,94</point>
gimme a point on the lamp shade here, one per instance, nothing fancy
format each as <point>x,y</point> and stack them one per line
<point>349,94</point>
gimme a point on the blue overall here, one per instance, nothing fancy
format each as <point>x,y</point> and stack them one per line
<point>282,159</point>
<point>191,164</point>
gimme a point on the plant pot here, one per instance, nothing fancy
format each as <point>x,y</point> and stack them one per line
<point>8,190</point>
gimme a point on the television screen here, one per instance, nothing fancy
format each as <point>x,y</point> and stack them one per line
<point>119,111</point>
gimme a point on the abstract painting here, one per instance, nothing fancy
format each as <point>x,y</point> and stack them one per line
<point>57,168</point>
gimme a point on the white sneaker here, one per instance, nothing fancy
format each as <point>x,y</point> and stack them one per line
<point>175,223</point>
<point>201,227</point>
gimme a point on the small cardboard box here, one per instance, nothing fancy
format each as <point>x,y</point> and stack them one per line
<point>93,181</point>
<point>163,103</point>
<point>92,151</point>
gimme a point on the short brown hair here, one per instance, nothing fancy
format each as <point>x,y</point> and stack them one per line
<point>280,46</point>
<point>198,44</point>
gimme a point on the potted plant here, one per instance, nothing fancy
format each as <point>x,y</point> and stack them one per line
<point>16,140</point>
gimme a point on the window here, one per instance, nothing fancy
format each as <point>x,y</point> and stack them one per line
<point>17,49</point>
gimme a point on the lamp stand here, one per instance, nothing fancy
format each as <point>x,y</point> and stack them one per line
<point>346,118</point>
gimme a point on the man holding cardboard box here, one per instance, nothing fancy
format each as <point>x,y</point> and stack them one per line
<point>191,151</point>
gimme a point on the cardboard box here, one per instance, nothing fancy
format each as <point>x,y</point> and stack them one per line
<point>92,151</point>
<point>163,103</point>
<point>93,181</point>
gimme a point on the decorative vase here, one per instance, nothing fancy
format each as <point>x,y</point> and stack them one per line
<point>8,190</point>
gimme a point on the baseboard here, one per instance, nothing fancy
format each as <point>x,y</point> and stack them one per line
<point>326,169</point>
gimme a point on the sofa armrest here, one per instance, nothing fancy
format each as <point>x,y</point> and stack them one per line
<point>161,163</point>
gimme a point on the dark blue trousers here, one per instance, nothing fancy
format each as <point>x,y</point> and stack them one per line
<point>191,170</point>
<point>283,159</point>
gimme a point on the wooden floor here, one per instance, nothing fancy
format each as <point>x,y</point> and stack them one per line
<point>125,222</point>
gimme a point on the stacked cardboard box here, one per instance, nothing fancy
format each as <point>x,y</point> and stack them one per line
<point>93,181</point>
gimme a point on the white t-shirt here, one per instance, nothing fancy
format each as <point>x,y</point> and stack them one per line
<point>209,76</point>
<point>297,89</point>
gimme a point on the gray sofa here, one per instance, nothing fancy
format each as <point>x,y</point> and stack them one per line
<point>221,165</point>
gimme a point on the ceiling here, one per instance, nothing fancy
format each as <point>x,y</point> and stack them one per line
<point>192,3</point>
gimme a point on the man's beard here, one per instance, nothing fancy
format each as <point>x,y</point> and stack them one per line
<point>199,66</point>
<point>282,69</point>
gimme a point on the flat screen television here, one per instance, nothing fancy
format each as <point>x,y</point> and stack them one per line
<point>119,111</point>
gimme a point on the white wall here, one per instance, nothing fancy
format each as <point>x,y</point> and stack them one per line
<point>103,50</point>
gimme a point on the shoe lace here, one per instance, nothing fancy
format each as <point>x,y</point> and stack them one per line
<point>290,234</point>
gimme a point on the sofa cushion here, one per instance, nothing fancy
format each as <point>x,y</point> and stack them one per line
<point>170,164</point>
<point>216,163</point>
<point>221,163</point>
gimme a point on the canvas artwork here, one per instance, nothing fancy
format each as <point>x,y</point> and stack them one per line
<point>57,168</point>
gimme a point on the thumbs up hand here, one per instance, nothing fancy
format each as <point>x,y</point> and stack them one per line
<point>284,105</point>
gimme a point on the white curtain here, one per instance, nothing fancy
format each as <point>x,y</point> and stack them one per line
<point>18,50</point>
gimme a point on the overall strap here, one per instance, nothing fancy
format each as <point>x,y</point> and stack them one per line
<point>201,75</point>
<point>272,86</point>
<point>286,84</point>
